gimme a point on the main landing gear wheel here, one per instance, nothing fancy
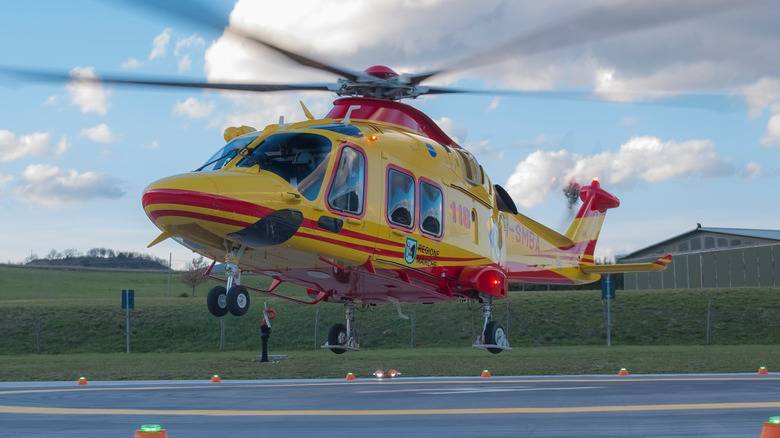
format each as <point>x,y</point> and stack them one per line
<point>337,335</point>
<point>495,335</point>
<point>237,300</point>
<point>216,301</point>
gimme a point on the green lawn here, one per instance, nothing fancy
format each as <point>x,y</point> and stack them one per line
<point>56,324</point>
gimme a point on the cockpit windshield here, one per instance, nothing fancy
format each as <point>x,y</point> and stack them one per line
<point>224,155</point>
<point>299,158</point>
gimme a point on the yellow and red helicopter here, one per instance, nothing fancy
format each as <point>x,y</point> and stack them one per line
<point>371,204</point>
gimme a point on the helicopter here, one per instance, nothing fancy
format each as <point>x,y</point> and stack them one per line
<point>373,203</point>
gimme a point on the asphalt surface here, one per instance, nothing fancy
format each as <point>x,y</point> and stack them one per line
<point>730,405</point>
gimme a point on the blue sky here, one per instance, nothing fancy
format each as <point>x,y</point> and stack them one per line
<point>74,161</point>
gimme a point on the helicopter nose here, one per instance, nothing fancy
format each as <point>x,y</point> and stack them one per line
<point>182,196</point>
<point>227,206</point>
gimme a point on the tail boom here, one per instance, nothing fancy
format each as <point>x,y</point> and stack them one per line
<point>538,255</point>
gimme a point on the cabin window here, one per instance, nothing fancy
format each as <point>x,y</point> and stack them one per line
<point>472,172</point>
<point>346,192</point>
<point>226,153</point>
<point>431,202</point>
<point>400,198</point>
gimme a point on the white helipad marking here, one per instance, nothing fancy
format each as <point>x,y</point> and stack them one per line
<point>476,390</point>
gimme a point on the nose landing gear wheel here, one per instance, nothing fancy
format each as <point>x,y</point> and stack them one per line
<point>238,300</point>
<point>216,301</point>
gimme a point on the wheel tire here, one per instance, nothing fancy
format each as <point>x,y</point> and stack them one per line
<point>337,335</point>
<point>237,300</point>
<point>495,334</point>
<point>216,301</point>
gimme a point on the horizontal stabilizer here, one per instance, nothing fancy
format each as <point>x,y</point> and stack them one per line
<point>656,266</point>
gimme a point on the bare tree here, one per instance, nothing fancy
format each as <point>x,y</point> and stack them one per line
<point>193,273</point>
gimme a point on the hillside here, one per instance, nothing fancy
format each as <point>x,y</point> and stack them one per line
<point>120,261</point>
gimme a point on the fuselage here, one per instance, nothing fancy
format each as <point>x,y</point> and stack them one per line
<point>374,203</point>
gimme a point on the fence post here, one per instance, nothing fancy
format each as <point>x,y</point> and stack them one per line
<point>316,327</point>
<point>411,345</point>
<point>709,318</point>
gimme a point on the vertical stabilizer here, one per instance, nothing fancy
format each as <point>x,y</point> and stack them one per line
<point>584,230</point>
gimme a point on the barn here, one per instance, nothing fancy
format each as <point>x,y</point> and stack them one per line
<point>710,258</point>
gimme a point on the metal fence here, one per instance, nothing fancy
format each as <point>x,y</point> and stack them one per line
<point>740,267</point>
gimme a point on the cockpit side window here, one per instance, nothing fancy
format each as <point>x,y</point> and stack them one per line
<point>226,153</point>
<point>400,198</point>
<point>299,158</point>
<point>347,190</point>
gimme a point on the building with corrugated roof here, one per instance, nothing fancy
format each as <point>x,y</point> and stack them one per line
<point>710,257</point>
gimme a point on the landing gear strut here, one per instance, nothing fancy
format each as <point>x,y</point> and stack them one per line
<point>342,338</point>
<point>493,337</point>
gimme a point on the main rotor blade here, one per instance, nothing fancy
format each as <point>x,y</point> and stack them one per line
<point>59,77</point>
<point>708,101</point>
<point>199,13</point>
<point>593,25</point>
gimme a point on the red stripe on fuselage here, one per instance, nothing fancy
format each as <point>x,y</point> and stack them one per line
<point>195,215</point>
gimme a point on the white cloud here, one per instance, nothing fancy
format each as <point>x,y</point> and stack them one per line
<point>159,50</point>
<point>772,135</point>
<point>643,47</point>
<point>89,96</point>
<point>49,186</point>
<point>132,64</point>
<point>454,129</point>
<point>99,134</point>
<point>160,45</point>
<point>645,159</point>
<point>762,94</point>
<point>31,145</point>
<point>751,170</point>
<point>192,41</point>
<point>4,180</point>
<point>184,63</point>
<point>484,151</point>
<point>259,110</point>
<point>193,108</point>
<point>62,146</point>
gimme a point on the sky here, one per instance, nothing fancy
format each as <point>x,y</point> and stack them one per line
<point>678,115</point>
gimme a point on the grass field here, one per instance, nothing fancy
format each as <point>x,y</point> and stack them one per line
<point>411,362</point>
<point>57,324</point>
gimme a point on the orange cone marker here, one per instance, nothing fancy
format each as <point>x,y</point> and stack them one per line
<point>215,379</point>
<point>485,373</point>
<point>350,376</point>
<point>392,373</point>
<point>763,370</point>
<point>623,372</point>
<point>151,430</point>
<point>82,380</point>
<point>771,428</point>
